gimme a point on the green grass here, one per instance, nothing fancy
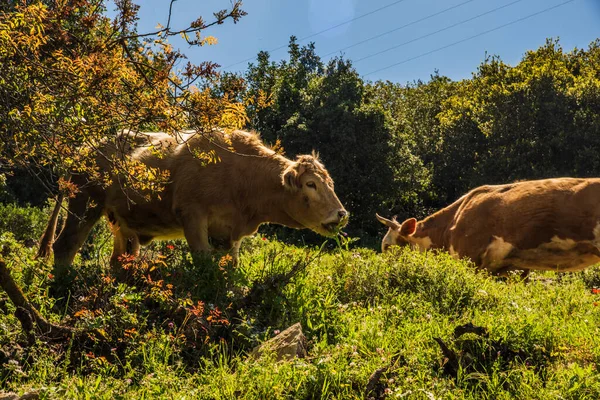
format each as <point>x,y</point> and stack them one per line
<point>172,329</point>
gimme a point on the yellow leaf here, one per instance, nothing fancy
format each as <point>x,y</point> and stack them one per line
<point>209,40</point>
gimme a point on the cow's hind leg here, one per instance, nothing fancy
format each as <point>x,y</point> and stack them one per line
<point>47,239</point>
<point>81,218</point>
<point>195,230</point>
<point>83,214</point>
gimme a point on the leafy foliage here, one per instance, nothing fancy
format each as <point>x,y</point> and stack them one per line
<point>507,123</point>
<point>72,77</point>
<point>25,223</point>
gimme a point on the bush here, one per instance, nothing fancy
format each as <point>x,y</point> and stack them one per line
<point>25,223</point>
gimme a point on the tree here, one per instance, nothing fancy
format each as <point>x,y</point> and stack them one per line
<point>72,77</point>
<point>412,111</point>
<point>323,107</point>
<point>535,120</point>
<point>414,148</point>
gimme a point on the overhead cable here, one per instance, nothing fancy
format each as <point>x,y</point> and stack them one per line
<point>400,27</point>
<point>471,37</point>
<point>438,31</point>
<point>322,31</point>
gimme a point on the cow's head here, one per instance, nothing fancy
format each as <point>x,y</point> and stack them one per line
<point>313,202</point>
<point>397,234</point>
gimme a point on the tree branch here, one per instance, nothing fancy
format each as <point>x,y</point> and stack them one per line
<point>28,314</point>
<point>18,298</point>
<point>235,14</point>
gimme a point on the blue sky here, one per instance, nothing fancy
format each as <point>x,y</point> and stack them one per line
<point>269,24</point>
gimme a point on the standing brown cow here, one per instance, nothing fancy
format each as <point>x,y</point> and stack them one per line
<point>248,185</point>
<point>550,224</point>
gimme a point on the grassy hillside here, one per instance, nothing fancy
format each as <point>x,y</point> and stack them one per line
<point>177,330</point>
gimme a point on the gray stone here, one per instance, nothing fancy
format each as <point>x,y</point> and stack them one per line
<point>33,395</point>
<point>287,345</point>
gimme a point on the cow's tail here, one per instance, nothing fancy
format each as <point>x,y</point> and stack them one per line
<point>47,239</point>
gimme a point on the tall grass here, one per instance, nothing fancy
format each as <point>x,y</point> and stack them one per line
<point>173,333</point>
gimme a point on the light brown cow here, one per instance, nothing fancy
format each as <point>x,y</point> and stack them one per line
<point>226,200</point>
<point>550,224</point>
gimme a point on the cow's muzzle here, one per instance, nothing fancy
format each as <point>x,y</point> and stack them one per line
<point>339,221</point>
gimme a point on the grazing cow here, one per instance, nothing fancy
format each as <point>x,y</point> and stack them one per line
<point>549,224</point>
<point>248,185</point>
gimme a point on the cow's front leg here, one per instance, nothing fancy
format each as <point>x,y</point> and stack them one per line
<point>235,252</point>
<point>124,243</point>
<point>195,230</point>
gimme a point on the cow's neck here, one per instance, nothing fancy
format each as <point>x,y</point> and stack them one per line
<point>433,229</point>
<point>267,198</point>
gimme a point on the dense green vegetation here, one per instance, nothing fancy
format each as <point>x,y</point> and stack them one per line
<point>409,149</point>
<point>173,331</point>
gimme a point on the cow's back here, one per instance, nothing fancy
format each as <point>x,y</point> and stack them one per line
<point>213,168</point>
<point>131,209</point>
<point>208,172</point>
<point>493,221</point>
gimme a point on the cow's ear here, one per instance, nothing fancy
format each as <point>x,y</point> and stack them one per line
<point>408,227</point>
<point>291,177</point>
<point>390,223</point>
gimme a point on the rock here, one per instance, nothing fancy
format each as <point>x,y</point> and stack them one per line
<point>33,395</point>
<point>286,345</point>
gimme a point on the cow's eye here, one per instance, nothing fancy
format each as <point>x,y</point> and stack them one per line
<point>311,185</point>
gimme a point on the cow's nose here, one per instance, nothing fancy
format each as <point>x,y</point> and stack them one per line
<point>342,213</point>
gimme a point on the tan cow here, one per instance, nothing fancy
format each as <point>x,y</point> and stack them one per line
<point>550,224</point>
<point>221,201</point>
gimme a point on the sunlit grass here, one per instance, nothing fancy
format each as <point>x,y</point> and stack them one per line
<point>360,311</point>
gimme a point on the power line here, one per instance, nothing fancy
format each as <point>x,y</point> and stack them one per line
<point>438,31</point>
<point>323,31</point>
<point>471,37</point>
<point>400,27</point>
